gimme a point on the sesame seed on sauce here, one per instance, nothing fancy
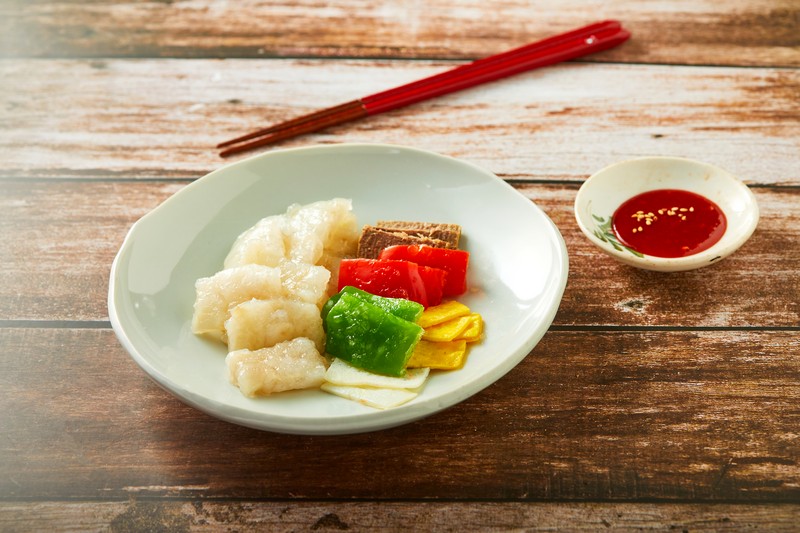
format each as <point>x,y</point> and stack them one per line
<point>689,223</point>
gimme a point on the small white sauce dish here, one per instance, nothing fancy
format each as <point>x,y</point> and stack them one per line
<point>603,192</point>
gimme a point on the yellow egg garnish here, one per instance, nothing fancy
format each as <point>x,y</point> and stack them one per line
<point>438,355</point>
<point>442,313</point>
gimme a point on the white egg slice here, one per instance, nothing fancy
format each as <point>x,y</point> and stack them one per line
<point>377,398</point>
<point>345,374</point>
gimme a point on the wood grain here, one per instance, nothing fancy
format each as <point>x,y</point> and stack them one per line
<point>58,239</point>
<point>203,515</point>
<point>655,401</point>
<point>696,416</point>
<point>730,32</point>
<point>58,242</point>
<point>162,118</point>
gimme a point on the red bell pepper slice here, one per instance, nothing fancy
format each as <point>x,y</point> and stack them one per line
<point>454,262</point>
<point>394,279</point>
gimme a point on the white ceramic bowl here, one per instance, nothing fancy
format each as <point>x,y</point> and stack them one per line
<point>518,271</point>
<point>603,192</point>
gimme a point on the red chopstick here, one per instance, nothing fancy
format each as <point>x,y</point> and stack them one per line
<point>576,43</point>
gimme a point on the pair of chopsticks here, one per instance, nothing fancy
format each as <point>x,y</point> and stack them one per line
<point>576,43</point>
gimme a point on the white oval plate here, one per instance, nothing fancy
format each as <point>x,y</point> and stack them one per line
<point>518,271</point>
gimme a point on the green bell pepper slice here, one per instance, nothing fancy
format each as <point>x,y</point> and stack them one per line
<point>401,308</point>
<point>369,337</point>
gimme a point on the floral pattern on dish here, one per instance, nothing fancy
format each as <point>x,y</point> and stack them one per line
<point>604,232</point>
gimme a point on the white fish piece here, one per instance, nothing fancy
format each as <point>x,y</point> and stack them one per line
<point>305,233</point>
<point>257,324</point>
<point>331,263</point>
<point>325,227</point>
<point>343,373</point>
<point>290,365</point>
<point>377,398</point>
<point>305,282</point>
<point>262,244</point>
<point>217,294</point>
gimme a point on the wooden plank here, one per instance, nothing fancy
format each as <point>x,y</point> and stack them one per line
<point>597,416</point>
<point>157,118</point>
<point>730,32</point>
<point>58,242</point>
<point>289,517</point>
<point>58,239</point>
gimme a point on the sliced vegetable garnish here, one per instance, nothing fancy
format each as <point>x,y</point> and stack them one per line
<point>400,307</point>
<point>394,279</point>
<point>454,262</point>
<point>369,337</point>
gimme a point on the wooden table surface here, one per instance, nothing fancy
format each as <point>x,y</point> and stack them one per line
<point>663,401</point>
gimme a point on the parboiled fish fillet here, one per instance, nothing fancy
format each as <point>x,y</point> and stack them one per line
<point>304,282</point>
<point>218,294</point>
<point>304,233</point>
<point>215,295</point>
<point>294,364</point>
<point>325,227</point>
<point>262,244</point>
<point>257,324</point>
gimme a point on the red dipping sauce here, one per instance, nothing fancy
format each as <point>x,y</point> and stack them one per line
<point>669,223</point>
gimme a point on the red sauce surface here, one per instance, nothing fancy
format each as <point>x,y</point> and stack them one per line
<point>669,223</point>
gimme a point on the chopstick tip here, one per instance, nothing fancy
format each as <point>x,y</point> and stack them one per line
<point>225,143</point>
